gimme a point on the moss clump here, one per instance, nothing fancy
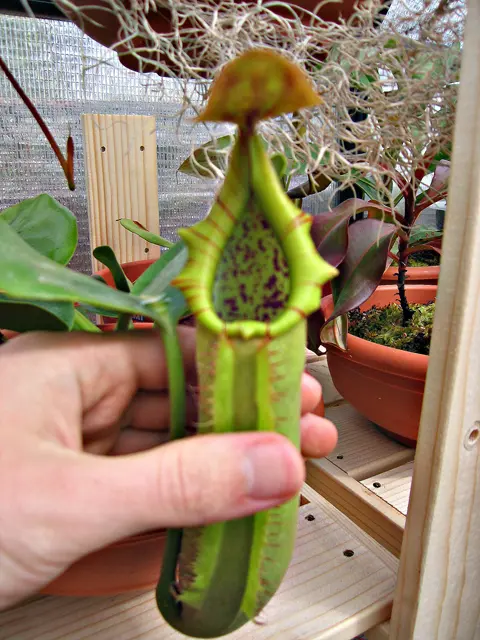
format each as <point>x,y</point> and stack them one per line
<point>384,326</point>
<point>422,259</point>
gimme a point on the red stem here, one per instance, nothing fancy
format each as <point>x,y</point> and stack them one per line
<point>66,164</point>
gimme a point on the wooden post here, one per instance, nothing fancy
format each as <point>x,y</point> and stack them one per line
<point>438,589</point>
<point>121,169</point>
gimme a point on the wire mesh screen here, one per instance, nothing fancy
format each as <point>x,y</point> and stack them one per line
<point>50,59</point>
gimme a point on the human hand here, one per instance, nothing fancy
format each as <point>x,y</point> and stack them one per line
<point>65,399</point>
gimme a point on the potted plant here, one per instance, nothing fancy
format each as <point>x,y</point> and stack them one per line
<point>380,365</point>
<point>242,324</point>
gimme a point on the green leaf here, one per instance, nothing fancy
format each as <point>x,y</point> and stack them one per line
<point>138,229</point>
<point>421,234</point>
<point>209,160</point>
<point>159,275</point>
<point>155,281</point>
<point>107,257</point>
<point>27,315</point>
<point>26,275</point>
<point>280,164</point>
<point>368,187</point>
<point>46,225</point>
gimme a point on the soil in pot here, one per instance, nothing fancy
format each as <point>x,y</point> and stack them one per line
<point>423,259</point>
<point>383,325</point>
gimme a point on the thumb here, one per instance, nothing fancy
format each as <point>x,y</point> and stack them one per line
<point>184,483</point>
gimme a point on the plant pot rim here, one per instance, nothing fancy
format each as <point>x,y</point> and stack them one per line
<point>405,363</point>
<point>141,263</point>
<point>427,273</point>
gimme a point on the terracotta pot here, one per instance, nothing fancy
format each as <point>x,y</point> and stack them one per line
<point>103,26</point>
<point>385,385</point>
<point>415,275</point>
<point>133,564</point>
<point>132,270</point>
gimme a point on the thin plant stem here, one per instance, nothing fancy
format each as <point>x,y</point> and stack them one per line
<point>177,397</point>
<point>65,163</point>
<point>403,255</point>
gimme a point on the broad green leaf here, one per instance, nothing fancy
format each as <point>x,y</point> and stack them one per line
<point>138,229</point>
<point>46,225</point>
<point>368,187</point>
<point>362,269</point>
<point>155,281</point>
<point>421,234</point>
<point>159,275</point>
<point>26,315</point>
<point>209,160</point>
<point>107,257</point>
<point>26,275</point>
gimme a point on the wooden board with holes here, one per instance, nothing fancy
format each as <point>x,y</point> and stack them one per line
<point>121,170</point>
<point>393,486</point>
<point>362,452</point>
<point>362,449</point>
<point>340,583</point>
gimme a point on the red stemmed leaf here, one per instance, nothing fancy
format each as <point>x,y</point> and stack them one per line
<point>438,188</point>
<point>330,230</point>
<point>362,269</point>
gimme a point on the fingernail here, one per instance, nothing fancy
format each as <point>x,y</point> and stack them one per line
<point>273,470</point>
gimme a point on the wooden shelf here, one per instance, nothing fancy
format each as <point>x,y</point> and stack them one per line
<point>395,486</point>
<point>325,595</point>
<point>363,450</point>
<point>364,455</point>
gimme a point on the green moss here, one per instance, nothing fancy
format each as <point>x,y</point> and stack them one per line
<point>384,326</point>
<point>422,259</point>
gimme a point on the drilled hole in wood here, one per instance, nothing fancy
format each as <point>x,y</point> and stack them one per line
<point>348,553</point>
<point>340,457</point>
<point>142,148</point>
<point>377,485</point>
<point>146,249</point>
<point>310,517</point>
<point>473,436</point>
<point>102,149</point>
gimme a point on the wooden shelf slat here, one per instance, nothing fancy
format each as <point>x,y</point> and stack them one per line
<point>325,595</point>
<point>395,486</point>
<point>364,449</point>
<point>372,514</point>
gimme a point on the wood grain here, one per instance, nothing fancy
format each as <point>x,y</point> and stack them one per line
<point>438,593</point>
<point>363,449</point>
<point>372,514</point>
<point>395,485</point>
<point>325,595</point>
<point>121,169</point>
